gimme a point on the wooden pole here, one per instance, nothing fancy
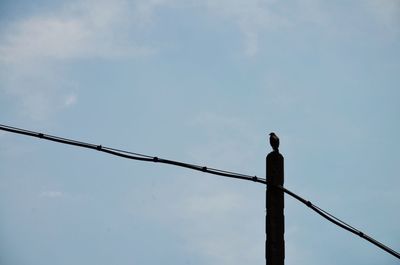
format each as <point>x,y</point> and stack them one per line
<point>275,220</point>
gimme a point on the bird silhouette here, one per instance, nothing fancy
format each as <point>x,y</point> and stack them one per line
<point>274,141</point>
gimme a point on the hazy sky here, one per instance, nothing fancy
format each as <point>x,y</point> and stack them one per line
<point>202,82</point>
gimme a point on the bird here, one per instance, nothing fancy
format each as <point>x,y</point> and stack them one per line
<point>274,141</point>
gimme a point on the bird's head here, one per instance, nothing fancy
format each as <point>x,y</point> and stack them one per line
<point>272,134</point>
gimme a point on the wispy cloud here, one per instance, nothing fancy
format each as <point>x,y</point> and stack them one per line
<point>215,222</point>
<point>252,17</point>
<point>52,194</point>
<point>223,242</point>
<point>78,30</point>
<point>213,204</point>
<point>231,150</point>
<point>32,46</point>
<point>257,19</point>
<point>70,100</point>
<point>30,49</point>
<point>38,90</point>
<point>386,12</point>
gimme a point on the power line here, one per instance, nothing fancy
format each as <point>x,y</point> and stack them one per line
<point>131,155</point>
<point>229,174</point>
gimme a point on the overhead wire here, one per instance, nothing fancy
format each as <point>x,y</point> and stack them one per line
<point>127,152</point>
<point>214,171</point>
<point>333,219</point>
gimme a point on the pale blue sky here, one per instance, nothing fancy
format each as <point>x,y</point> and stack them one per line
<point>202,82</point>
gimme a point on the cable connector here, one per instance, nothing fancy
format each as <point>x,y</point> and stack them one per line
<point>155,159</point>
<point>99,147</point>
<point>40,135</point>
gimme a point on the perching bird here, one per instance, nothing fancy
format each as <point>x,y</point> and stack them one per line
<point>274,141</point>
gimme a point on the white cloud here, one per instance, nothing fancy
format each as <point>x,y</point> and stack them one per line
<point>252,17</point>
<point>228,141</point>
<point>230,238</point>
<point>256,19</point>
<point>143,11</point>
<point>30,47</point>
<point>218,220</point>
<point>32,50</point>
<point>38,90</point>
<point>218,203</point>
<point>52,194</point>
<point>43,37</point>
<point>387,12</point>
<point>79,30</point>
<point>70,100</point>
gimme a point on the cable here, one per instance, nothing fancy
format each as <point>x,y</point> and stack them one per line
<point>127,152</point>
<point>229,174</point>
<point>129,155</point>
<point>341,223</point>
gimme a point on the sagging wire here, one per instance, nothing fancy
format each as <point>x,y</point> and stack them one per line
<point>214,171</point>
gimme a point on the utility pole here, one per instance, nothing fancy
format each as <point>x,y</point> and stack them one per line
<point>275,220</point>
